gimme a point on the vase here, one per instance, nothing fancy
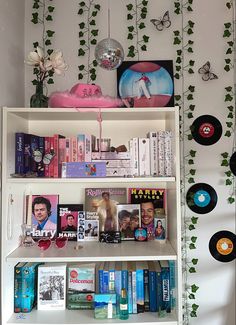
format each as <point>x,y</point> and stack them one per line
<point>39,99</point>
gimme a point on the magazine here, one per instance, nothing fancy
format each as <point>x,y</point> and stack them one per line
<point>103,203</point>
<point>153,204</point>
<point>43,211</point>
<point>88,227</point>
<point>67,220</point>
<point>129,218</point>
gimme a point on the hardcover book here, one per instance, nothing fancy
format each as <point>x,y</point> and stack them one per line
<point>105,305</point>
<point>18,287</point>
<point>44,215</point>
<point>51,286</point>
<point>153,203</point>
<point>67,220</point>
<point>103,202</point>
<point>129,218</point>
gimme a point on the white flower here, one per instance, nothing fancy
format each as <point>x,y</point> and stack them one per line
<point>57,62</point>
<point>36,57</point>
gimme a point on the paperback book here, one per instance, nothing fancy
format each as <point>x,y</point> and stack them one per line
<point>103,202</point>
<point>67,220</point>
<point>153,204</point>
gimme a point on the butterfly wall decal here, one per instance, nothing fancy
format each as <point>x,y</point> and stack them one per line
<point>160,24</point>
<point>206,72</point>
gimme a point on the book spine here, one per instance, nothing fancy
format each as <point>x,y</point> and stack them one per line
<point>111,283</point>
<point>118,282</point>
<point>153,153</point>
<point>34,145</point>
<point>135,153</point>
<point>28,288</point>
<point>124,279</point>
<point>88,148</point>
<point>47,150</point>
<point>134,292</point>
<point>27,153</point>
<point>161,153</point>
<point>56,158</point>
<point>68,150</point>
<point>153,290</point>
<point>165,279</point>
<point>51,165</point>
<point>168,153</point>
<point>172,285</point>
<point>81,147</point>
<point>19,153</point>
<point>61,155</point>
<point>18,287</point>
<point>100,281</point>
<point>40,165</point>
<point>74,149</point>
<point>130,293</point>
<point>146,290</point>
<point>144,156</point>
<point>105,281</point>
<point>140,290</point>
<point>159,292</point>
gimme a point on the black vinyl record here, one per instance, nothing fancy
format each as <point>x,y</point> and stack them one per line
<point>201,198</point>
<point>232,163</point>
<point>222,246</point>
<point>206,130</point>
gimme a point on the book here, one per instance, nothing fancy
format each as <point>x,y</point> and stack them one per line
<point>105,306</point>
<point>18,287</point>
<point>103,202</point>
<point>88,227</point>
<point>159,286</point>
<point>118,277</point>
<point>51,286</point>
<point>83,169</point>
<point>34,145</point>
<point>27,153</point>
<point>165,279</point>
<point>105,278</point>
<point>56,164</point>
<point>140,286</point>
<point>80,286</point>
<point>130,288</point>
<point>19,153</point>
<point>144,156</point>
<point>29,277</point>
<point>172,267</point>
<point>152,286</point>
<point>129,218</point>
<point>152,201</point>
<point>124,275</point>
<point>44,215</point>
<point>153,153</point>
<point>40,165</point>
<point>111,279</point>
<point>67,220</point>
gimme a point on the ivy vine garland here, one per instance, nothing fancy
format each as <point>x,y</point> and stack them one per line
<point>88,39</point>
<point>42,14</point>
<point>184,67</point>
<point>137,13</point>
<point>229,35</point>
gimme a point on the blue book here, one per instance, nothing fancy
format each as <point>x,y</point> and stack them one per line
<point>165,278</point>
<point>100,277</point>
<point>111,283</point>
<point>140,286</point>
<point>130,289</point>
<point>18,287</point>
<point>118,280</point>
<point>124,275</point>
<point>172,285</point>
<point>29,271</point>
<point>106,278</point>
<point>19,153</point>
<point>152,286</point>
<point>159,286</point>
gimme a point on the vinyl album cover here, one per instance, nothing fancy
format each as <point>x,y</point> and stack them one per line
<point>103,203</point>
<point>67,220</point>
<point>129,219</point>
<point>43,211</point>
<point>153,204</point>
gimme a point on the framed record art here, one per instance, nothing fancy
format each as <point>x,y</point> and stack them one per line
<point>201,198</point>
<point>146,83</point>
<point>222,246</point>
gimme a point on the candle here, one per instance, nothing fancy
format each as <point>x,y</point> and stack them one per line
<point>29,210</point>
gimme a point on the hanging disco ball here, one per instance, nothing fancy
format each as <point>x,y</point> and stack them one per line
<point>109,54</point>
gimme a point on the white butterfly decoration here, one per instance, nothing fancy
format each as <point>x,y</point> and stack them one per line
<point>160,24</point>
<point>205,70</point>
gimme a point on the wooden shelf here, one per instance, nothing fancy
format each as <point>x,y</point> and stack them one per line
<point>86,317</point>
<point>95,251</point>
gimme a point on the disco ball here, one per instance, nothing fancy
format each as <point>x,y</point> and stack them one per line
<point>109,54</point>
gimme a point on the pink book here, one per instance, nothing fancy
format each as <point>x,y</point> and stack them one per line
<point>62,153</point>
<point>74,149</point>
<point>68,149</point>
<point>55,162</point>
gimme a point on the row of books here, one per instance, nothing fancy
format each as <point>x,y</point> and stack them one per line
<point>59,156</point>
<point>150,286</point>
<point>104,210</point>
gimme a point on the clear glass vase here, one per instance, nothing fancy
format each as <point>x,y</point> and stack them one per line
<point>39,99</point>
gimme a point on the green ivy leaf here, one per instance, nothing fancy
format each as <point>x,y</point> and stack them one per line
<point>190,162</point>
<point>49,52</point>
<point>227,61</point>
<point>230,108</point>
<point>193,314</point>
<point>194,261</point>
<point>94,32</point>
<point>191,107</point>
<point>144,47</point>
<point>192,246</point>
<point>36,5</point>
<point>80,76</point>
<point>97,7</point>
<point>231,200</point>
<point>194,220</point>
<point>50,33</point>
<point>81,67</point>
<point>189,8</point>
<point>230,43</point>
<point>51,8</point>
<point>94,13</point>
<point>194,288</point>
<point>81,11</point>
<point>227,33</point>
<point>189,31</point>
<point>93,41</point>
<point>191,88</point>
<point>190,97</point>
<point>82,4</point>
<point>228,182</point>
<point>145,38</point>
<point>82,42</point>
<point>192,171</point>
<point>176,32</point>
<point>191,296</point>
<point>190,50</point>
<point>227,25</point>
<point>228,98</point>
<point>34,20</point>
<point>228,5</point>
<point>179,52</point>
<point>93,77</point>
<point>191,227</point>
<point>130,36</point>
<point>192,153</point>
<point>190,115</point>
<point>129,17</point>
<point>195,307</point>
<point>178,67</point>
<point>81,25</point>
<point>230,115</point>
<point>81,34</point>
<point>190,71</point>
<point>50,81</point>
<point>228,173</point>
<point>47,42</point>
<point>229,124</point>
<point>35,44</point>
<point>178,60</point>
<point>95,64</point>
<point>92,22</point>
<point>177,41</point>
<point>143,15</point>
<point>192,270</point>
<point>144,2</point>
<point>177,97</point>
<point>224,163</point>
<point>229,51</point>
<point>191,180</point>
<point>177,11</point>
<point>177,76</point>
<point>190,137</point>
<point>49,18</point>
<point>193,239</point>
<point>81,52</point>
<point>130,29</point>
<point>141,25</point>
<point>34,82</point>
<point>228,134</point>
<point>129,7</point>
<point>225,155</point>
<point>92,71</point>
<point>191,23</point>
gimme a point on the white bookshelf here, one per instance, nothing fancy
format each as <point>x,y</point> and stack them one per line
<point>120,124</point>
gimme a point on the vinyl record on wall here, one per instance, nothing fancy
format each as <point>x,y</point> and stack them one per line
<point>206,130</point>
<point>201,198</point>
<point>232,163</point>
<point>222,246</point>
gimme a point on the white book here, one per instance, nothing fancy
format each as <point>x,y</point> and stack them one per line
<point>144,156</point>
<point>51,286</point>
<point>153,153</point>
<point>134,162</point>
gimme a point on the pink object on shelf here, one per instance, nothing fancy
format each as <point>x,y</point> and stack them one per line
<point>83,95</point>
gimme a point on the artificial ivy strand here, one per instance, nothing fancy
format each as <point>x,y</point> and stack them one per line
<point>88,39</point>
<point>136,16</point>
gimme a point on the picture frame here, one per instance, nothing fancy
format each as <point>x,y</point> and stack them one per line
<point>146,83</point>
<point>129,219</point>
